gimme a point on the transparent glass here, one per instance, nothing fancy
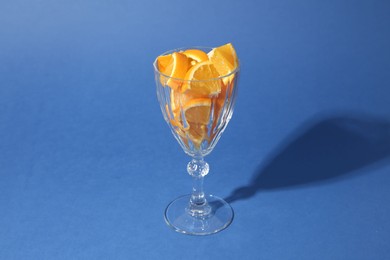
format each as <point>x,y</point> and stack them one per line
<point>197,120</point>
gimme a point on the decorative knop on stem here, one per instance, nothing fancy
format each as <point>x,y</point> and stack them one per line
<point>198,206</point>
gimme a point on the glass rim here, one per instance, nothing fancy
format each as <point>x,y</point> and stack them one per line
<point>236,69</point>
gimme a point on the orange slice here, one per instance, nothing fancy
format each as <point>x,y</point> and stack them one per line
<point>176,119</point>
<point>175,66</point>
<point>196,56</point>
<point>181,102</point>
<point>197,114</point>
<point>198,110</point>
<point>163,62</point>
<point>197,133</point>
<point>224,59</point>
<point>175,100</point>
<point>201,79</point>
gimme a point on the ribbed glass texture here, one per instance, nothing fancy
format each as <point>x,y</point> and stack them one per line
<point>197,121</point>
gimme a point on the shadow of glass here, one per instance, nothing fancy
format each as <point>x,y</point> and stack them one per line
<point>323,150</point>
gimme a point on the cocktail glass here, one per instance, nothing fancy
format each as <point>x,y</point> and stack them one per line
<point>197,213</point>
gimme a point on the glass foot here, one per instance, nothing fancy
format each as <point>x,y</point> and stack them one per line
<point>179,217</point>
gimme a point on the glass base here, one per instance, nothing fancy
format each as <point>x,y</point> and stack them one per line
<point>178,216</point>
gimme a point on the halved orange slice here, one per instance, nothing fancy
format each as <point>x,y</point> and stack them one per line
<point>201,79</point>
<point>198,110</point>
<point>175,66</point>
<point>196,55</point>
<point>197,114</point>
<point>224,59</point>
<point>163,62</point>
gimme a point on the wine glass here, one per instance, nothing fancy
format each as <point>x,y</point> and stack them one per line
<point>197,132</point>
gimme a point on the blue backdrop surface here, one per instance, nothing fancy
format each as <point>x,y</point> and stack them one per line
<point>87,164</point>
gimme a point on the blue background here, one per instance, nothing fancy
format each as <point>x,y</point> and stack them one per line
<point>87,164</point>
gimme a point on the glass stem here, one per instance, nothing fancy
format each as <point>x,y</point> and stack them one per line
<point>198,206</point>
